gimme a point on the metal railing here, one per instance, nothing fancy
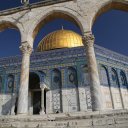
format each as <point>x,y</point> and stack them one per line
<point>31,5</point>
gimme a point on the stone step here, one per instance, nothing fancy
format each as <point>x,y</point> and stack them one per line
<point>110,119</point>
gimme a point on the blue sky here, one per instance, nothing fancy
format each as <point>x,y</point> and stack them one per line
<point>110,30</point>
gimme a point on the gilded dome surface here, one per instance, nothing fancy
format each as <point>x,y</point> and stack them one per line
<point>60,39</point>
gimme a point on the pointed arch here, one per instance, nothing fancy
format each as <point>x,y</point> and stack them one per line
<point>123,78</point>
<point>115,79</point>
<point>54,13</point>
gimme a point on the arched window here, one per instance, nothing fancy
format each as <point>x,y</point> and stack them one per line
<point>104,75</point>
<point>56,86</point>
<point>10,84</point>
<point>72,88</point>
<point>123,78</point>
<point>56,79</point>
<point>85,75</point>
<point>0,84</point>
<point>72,77</point>
<point>114,77</point>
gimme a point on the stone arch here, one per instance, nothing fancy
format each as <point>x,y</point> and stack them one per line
<point>38,73</point>
<point>35,75</point>
<point>53,13</point>
<point>7,24</point>
<point>4,24</point>
<point>108,6</point>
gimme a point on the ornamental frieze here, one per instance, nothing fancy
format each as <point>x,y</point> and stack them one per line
<point>72,54</point>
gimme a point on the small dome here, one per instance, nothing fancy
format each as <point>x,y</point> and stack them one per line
<point>60,39</point>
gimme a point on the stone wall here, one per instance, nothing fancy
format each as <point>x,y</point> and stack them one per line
<point>7,104</point>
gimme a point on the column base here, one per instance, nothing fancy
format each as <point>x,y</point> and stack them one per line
<point>20,114</point>
<point>42,113</point>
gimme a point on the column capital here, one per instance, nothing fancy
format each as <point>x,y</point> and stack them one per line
<point>43,86</point>
<point>88,39</point>
<point>26,48</point>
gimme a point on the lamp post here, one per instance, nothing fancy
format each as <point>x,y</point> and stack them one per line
<point>25,2</point>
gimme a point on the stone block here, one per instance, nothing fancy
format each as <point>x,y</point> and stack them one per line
<point>99,122</point>
<point>121,120</point>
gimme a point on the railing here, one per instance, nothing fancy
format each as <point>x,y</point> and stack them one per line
<point>33,5</point>
<point>47,2</point>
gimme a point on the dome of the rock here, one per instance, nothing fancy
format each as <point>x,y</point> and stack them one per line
<point>60,39</point>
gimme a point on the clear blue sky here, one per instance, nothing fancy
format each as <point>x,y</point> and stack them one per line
<point>110,30</point>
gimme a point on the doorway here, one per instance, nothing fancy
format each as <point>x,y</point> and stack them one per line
<point>36,102</point>
<point>34,88</point>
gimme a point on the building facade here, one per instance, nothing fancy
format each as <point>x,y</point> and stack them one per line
<point>59,80</point>
<point>67,78</point>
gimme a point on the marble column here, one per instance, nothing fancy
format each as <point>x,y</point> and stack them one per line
<point>26,50</point>
<point>88,41</point>
<point>42,102</point>
<point>43,88</point>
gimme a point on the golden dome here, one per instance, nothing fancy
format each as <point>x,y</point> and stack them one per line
<point>60,39</point>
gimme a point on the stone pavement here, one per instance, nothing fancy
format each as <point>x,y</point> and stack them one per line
<point>103,119</point>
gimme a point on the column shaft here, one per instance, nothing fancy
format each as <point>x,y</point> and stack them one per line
<point>42,99</point>
<point>96,95</point>
<point>24,79</point>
